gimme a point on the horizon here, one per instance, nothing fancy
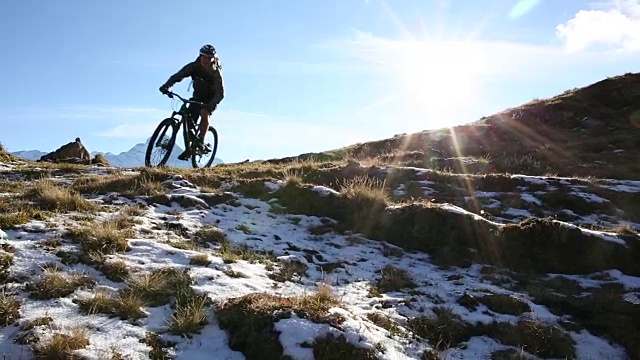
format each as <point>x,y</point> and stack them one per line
<point>299,77</point>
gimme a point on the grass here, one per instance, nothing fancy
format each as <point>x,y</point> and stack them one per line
<point>189,315</point>
<point>9,309</point>
<point>62,346</point>
<point>157,287</point>
<point>50,196</point>
<point>602,311</point>
<point>160,287</point>
<point>6,261</point>
<point>385,322</point>
<point>147,183</point>
<point>288,270</point>
<point>394,279</point>
<point>448,330</point>
<point>200,259</point>
<point>330,347</point>
<point>505,304</point>
<point>252,316</point>
<point>54,283</point>
<point>126,306</point>
<point>114,270</point>
<point>106,237</point>
<point>159,347</point>
<point>210,234</point>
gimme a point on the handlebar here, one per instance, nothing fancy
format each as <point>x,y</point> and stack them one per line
<point>171,93</point>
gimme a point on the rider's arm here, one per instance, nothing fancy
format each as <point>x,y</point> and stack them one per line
<point>218,86</point>
<point>181,74</point>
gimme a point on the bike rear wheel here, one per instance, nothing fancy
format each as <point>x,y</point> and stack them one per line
<point>205,160</point>
<point>163,139</point>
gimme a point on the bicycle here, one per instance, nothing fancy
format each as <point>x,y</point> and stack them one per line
<point>190,130</point>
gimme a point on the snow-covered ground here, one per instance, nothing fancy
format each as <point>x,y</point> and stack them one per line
<point>290,237</point>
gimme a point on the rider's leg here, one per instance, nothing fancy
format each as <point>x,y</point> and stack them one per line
<point>204,122</point>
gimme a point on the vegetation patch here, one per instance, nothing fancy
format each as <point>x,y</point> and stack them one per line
<point>107,237</point>
<point>6,261</point>
<point>549,246</point>
<point>62,346</point>
<point>505,304</point>
<point>394,279</point>
<point>210,234</point>
<point>252,316</point>
<point>159,347</point>
<point>49,196</point>
<point>9,309</point>
<point>189,313</point>
<point>147,183</point>
<point>558,200</point>
<point>200,259</point>
<point>532,336</point>
<point>288,270</point>
<point>158,287</point>
<point>11,186</point>
<point>603,311</point>
<point>331,347</point>
<point>54,283</point>
<point>126,306</point>
<point>448,330</point>
<point>385,322</point>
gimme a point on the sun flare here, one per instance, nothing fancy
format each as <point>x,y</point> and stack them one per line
<point>439,75</point>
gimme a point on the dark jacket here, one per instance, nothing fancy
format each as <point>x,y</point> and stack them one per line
<point>204,82</point>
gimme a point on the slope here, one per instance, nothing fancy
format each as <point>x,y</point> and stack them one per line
<point>589,131</point>
<point>184,264</point>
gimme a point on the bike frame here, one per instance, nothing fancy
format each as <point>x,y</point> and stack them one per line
<point>190,126</point>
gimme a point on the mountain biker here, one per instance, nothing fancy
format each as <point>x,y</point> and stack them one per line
<point>208,88</point>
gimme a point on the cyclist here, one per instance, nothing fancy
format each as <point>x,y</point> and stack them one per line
<point>208,88</point>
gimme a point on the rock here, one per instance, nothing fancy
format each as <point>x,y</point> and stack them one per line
<point>99,159</point>
<point>591,123</point>
<point>73,152</point>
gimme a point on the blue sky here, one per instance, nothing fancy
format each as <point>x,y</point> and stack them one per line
<point>300,76</point>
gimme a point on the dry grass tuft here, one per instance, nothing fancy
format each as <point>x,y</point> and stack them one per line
<point>210,234</point>
<point>200,259</point>
<point>62,346</point>
<point>330,347</point>
<point>288,271</point>
<point>147,183</point>
<point>394,279</point>
<point>252,316</point>
<point>51,196</point>
<point>9,309</point>
<point>158,287</point>
<point>107,237</point>
<point>189,315</point>
<point>54,283</point>
<point>125,306</point>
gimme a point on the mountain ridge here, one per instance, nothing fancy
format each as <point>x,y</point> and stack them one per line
<point>134,157</point>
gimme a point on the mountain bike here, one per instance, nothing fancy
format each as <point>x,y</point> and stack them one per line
<point>164,141</point>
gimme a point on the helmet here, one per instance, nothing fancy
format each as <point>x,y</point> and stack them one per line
<point>207,50</point>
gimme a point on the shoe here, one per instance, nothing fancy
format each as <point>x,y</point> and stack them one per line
<point>185,155</point>
<point>201,147</point>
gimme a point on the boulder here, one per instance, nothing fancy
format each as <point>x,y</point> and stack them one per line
<point>73,152</point>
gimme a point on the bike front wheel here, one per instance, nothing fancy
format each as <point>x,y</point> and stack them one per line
<point>162,140</point>
<point>204,160</point>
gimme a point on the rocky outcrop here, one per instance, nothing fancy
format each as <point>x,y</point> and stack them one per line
<point>73,152</point>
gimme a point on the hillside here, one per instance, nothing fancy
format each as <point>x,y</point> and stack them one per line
<point>590,131</point>
<point>367,252</point>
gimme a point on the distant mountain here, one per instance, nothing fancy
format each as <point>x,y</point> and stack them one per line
<point>29,154</point>
<point>134,157</point>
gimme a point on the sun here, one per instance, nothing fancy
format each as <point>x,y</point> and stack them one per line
<point>438,76</point>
